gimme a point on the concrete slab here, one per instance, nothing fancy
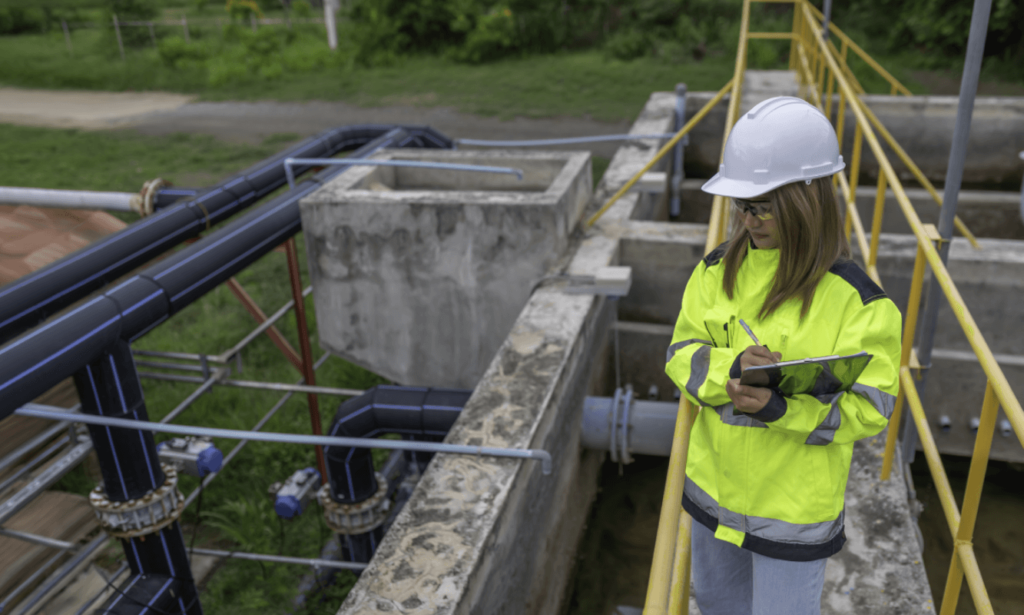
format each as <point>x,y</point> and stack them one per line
<point>760,85</point>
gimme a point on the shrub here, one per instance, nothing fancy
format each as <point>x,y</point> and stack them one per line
<point>174,51</point>
<point>492,38</point>
<point>627,45</point>
<point>16,20</point>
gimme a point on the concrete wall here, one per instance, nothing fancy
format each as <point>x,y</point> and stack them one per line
<point>922,125</point>
<point>419,274</point>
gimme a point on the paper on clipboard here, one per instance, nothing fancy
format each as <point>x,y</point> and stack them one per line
<point>815,376</point>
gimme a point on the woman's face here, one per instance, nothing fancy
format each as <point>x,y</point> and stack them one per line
<point>764,233</point>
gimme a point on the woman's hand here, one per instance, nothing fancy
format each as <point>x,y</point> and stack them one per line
<point>755,356</point>
<point>746,398</point>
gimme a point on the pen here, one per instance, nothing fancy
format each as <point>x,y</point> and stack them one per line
<point>749,332</point>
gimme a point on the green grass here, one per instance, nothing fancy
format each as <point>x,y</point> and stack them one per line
<point>569,84</point>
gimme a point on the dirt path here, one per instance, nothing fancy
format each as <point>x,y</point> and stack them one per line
<point>249,122</point>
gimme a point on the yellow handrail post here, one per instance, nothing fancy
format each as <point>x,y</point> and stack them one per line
<point>796,36</point>
<point>661,153</point>
<point>972,498</point>
<point>679,595</point>
<point>658,587</point>
<point>876,221</point>
<point>909,327</point>
<point>931,451</point>
<point>858,141</point>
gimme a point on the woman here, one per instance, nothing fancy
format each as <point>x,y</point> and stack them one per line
<point>766,473</point>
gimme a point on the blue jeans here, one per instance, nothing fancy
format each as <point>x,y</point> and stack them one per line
<point>729,580</point>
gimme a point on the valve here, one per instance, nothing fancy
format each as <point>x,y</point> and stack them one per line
<point>193,455</point>
<point>292,496</point>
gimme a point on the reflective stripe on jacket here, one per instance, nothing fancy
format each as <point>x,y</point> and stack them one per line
<point>773,481</point>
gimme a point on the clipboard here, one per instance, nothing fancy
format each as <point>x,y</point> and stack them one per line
<point>816,376</point>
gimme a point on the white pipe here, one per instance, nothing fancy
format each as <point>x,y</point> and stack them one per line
<point>70,199</point>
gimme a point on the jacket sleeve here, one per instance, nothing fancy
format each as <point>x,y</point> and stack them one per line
<point>863,411</point>
<point>698,368</point>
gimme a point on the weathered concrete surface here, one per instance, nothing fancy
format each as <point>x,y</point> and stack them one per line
<point>922,125</point>
<point>496,536</point>
<point>418,275</point>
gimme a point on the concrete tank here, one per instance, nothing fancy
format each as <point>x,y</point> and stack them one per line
<point>418,274</point>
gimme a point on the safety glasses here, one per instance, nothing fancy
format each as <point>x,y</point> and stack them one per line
<point>759,209</point>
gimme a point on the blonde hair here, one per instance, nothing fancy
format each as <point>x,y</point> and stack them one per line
<point>811,240</point>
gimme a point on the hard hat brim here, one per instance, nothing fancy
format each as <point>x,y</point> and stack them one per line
<point>739,189</point>
<point>723,186</point>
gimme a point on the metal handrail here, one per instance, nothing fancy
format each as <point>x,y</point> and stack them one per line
<point>821,66</point>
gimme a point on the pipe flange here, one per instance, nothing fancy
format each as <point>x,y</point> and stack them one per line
<point>143,516</point>
<point>358,518</point>
<point>145,204</point>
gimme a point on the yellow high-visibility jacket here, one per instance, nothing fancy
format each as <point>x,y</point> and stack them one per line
<point>773,481</point>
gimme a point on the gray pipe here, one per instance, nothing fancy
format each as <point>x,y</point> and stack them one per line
<point>951,191</point>
<point>70,199</point>
<point>827,14</point>
<point>540,455</point>
<point>648,431</point>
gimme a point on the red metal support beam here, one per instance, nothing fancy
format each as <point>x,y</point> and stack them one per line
<point>307,353</point>
<point>275,335</point>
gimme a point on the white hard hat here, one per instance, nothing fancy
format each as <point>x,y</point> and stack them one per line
<point>780,141</point>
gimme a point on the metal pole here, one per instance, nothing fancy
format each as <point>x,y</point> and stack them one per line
<point>1021,156</point>
<point>69,199</point>
<point>67,37</point>
<point>827,14</point>
<point>184,26</point>
<point>62,573</point>
<point>36,442</point>
<point>677,160</point>
<point>535,454</point>
<point>954,177</point>
<point>283,559</point>
<point>45,541</point>
<point>117,31</point>
<point>308,373</point>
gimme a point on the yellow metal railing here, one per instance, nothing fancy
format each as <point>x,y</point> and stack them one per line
<point>823,70</point>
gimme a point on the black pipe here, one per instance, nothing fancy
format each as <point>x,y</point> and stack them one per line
<point>40,359</point>
<point>128,462</point>
<point>415,412</point>
<point>156,592</point>
<point>31,299</point>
